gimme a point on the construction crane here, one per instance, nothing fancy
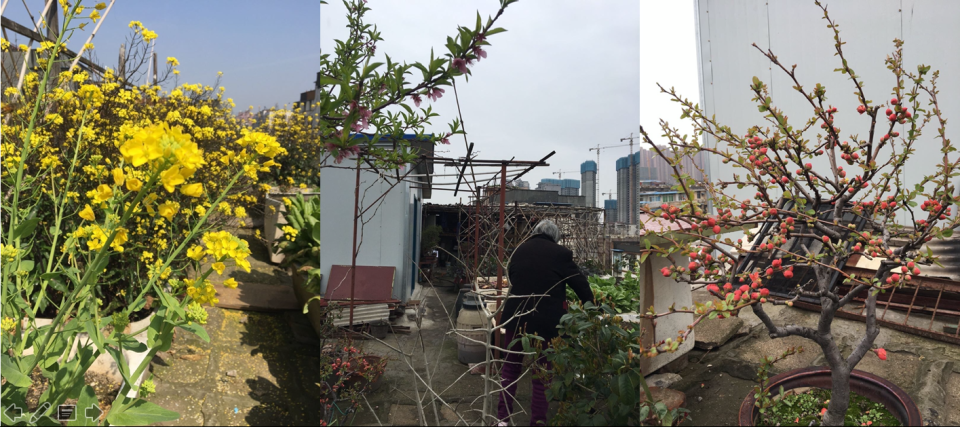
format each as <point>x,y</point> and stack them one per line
<point>559,174</point>
<point>598,148</point>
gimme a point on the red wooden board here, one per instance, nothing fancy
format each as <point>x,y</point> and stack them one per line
<point>373,283</point>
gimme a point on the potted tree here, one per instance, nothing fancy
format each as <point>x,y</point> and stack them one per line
<point>806,216</point>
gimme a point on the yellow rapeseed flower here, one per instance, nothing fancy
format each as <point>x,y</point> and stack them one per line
<point>102,193</point>
<point>168,209</point>
<point>134,184</point>
<point>230,283</point>
<point>171,178</point>
<point>87,213</point>
<point>219,267</point>
<point>118,177</point>
<point>195,252</point>
<point>192,190</point>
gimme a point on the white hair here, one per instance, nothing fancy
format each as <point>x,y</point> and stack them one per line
<point>548,228</point>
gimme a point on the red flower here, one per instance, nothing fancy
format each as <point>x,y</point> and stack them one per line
<point>416,99</point>
<point>881,353</point>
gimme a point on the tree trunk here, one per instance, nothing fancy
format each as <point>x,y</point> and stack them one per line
<point>839,398</point>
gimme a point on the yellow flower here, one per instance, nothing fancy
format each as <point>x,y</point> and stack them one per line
<point>168,209</point>
<point>230,283</point>
<point>102,193</point>
<point>143,145</point>
<point>88,46</point>
<point>9,325</point>
<point>119,239</point>
<point>148,202</point>
<point>118,177</point>
<point>148,35</point>
<point>195,252</point>
<point>95,15</point>
<point>200,210</point>
<point>172,61</point>
<point>240,212</point>
<point>171,178</point>
<point>87,214</point>
<point>100,6</point>
<point>134,184</point>
<point>146,256</point>
<point>290,232</point>
<point>219,267</point>
<point>192,190</point>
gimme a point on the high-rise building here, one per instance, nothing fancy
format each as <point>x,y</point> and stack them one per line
<point>624,189</point>
<point>610,211</point>
<point>588,176</point>
<point>570,187</point>
<point>549,184</point>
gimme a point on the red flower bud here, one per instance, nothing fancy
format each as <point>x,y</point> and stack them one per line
<point>881,353</point>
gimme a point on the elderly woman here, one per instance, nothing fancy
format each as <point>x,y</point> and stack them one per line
<point>539,271</point>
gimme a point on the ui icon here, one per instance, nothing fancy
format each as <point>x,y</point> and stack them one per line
<point>67,413</point>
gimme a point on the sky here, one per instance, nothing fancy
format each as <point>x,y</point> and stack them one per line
<point>564,77</point>
<point>268,51</point>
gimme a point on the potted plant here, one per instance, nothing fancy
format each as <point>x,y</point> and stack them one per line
<point>299,245</point>
<point>595,372</point>
<point>86,227</point>
<point>813,217</point>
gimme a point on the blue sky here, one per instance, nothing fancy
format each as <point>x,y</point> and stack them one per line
<point>269,52</point>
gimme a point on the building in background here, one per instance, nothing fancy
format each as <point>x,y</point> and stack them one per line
<point>549,184</point>
<point>533,197</point>
<point>588,176</point>
<point>518,184</point>
<point>645,172</point>
<point>610,211</point>
<point>570,187</point>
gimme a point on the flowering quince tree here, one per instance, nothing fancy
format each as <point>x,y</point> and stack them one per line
<point>798,206</point>
<point>56,246</point>
<point>358,94</point>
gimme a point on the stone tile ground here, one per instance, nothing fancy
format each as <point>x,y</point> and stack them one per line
<point>260,368</point>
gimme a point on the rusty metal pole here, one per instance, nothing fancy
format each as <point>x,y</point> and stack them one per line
<point>503,193</point>
<point>353,255</point>
<point>476,239</point>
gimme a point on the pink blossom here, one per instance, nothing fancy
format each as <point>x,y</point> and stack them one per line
<point>477,50</point>
<point>416,100</point>
<point>435,93</point>
<point>445,139</point>
<point>460,65</point>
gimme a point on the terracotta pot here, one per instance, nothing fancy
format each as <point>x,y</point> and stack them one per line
<point>877,389</point>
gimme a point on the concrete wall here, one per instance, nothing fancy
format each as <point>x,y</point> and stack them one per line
<point>797,34</point>
<point>539,196</point>
<point>388,238</point>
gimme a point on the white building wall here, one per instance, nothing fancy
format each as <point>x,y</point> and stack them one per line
<point>387,237</point>
<point>797,34</point>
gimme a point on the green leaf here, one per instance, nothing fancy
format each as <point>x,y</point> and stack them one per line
<point>12,373</point>
<point>26,265</point>
<point>196,329</point>
<point>88,398</point>
<point>26,227</point>
<point>495,31</point>
<point>627,391</point>
<point>140,413</point>
<point>328,81</point>
<point>948,232</point>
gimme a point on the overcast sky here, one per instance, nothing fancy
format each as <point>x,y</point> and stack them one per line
<point>565,76</point>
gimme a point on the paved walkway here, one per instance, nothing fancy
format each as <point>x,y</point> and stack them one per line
<point>260,368</point>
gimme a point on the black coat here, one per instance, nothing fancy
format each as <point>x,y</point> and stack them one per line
<point>540,266</point>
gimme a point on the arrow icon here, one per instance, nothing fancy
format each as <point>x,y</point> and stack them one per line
<point>93,413</point>
<point>13,412</point>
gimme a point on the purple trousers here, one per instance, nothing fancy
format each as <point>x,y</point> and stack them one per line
<point>510,372</point>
